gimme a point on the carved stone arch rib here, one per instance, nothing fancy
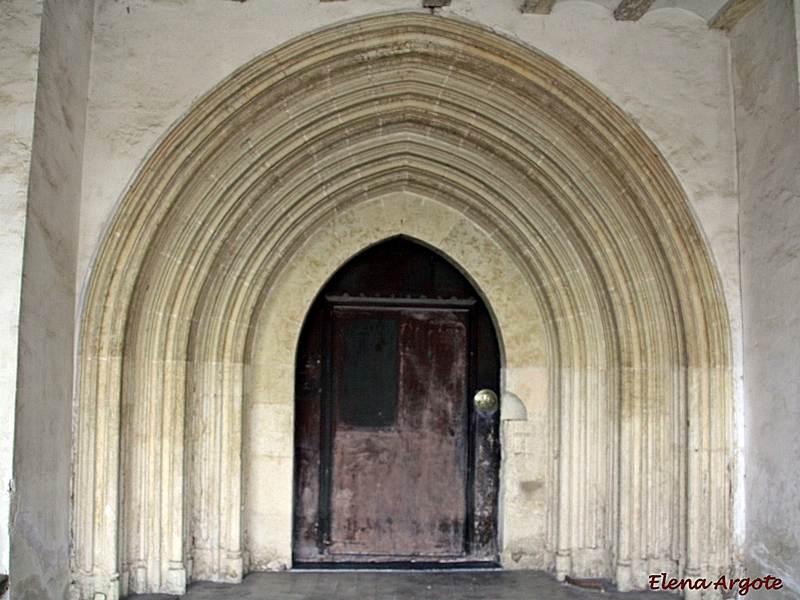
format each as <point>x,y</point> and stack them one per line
<point>421,117</point>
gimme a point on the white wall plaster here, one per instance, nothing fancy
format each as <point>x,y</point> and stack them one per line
<point>764,52</point>
<point>41,503</point>
<point>19,54</point>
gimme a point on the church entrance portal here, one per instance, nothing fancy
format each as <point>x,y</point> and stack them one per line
<point>616,337</point>
<point>395,463</point>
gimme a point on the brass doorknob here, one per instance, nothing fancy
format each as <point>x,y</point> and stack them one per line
<point>486,400</point>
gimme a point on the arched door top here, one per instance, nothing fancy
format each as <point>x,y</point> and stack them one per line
<point>400,268</point>
<point>394,463</point>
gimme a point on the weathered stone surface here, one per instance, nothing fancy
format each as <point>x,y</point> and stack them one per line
<point>632,10</point>
<point>20,23</point>
<point>382,585</point>
<point>768,126</point>
<point>40,528</point>
<point>539,7</point>
<point>731,13</point>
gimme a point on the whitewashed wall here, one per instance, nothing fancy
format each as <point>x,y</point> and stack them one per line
<point>20,22</point>
<point>41,501</point>
<point>764,50</point>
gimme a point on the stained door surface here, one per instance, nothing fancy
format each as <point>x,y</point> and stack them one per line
<point>393,462</point>
<point>399,451</point>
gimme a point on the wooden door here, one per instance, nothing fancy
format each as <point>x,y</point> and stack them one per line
<point>398,448</point>
<point>394,464</point>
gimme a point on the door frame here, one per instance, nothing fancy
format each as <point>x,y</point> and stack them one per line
<point>481,547</point>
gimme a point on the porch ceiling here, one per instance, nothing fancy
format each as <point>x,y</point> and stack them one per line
<point>719,14</point>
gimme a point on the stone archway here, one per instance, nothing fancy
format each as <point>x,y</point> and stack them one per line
<point>554,202</point>
<point>271,376</point>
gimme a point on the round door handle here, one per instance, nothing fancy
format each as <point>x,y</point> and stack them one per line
<point>486,400</point>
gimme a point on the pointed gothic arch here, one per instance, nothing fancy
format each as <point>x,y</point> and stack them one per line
<point>447,132</point>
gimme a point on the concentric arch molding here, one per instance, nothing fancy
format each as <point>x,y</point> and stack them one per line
<point>568,193</point>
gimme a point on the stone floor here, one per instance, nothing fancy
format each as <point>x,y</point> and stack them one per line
<point>401,585</point>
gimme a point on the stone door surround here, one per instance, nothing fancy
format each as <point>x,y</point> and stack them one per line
<point>549,198</point>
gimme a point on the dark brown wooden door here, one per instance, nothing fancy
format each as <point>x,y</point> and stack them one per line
<point>399,451</point>
<point>393,462</point>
